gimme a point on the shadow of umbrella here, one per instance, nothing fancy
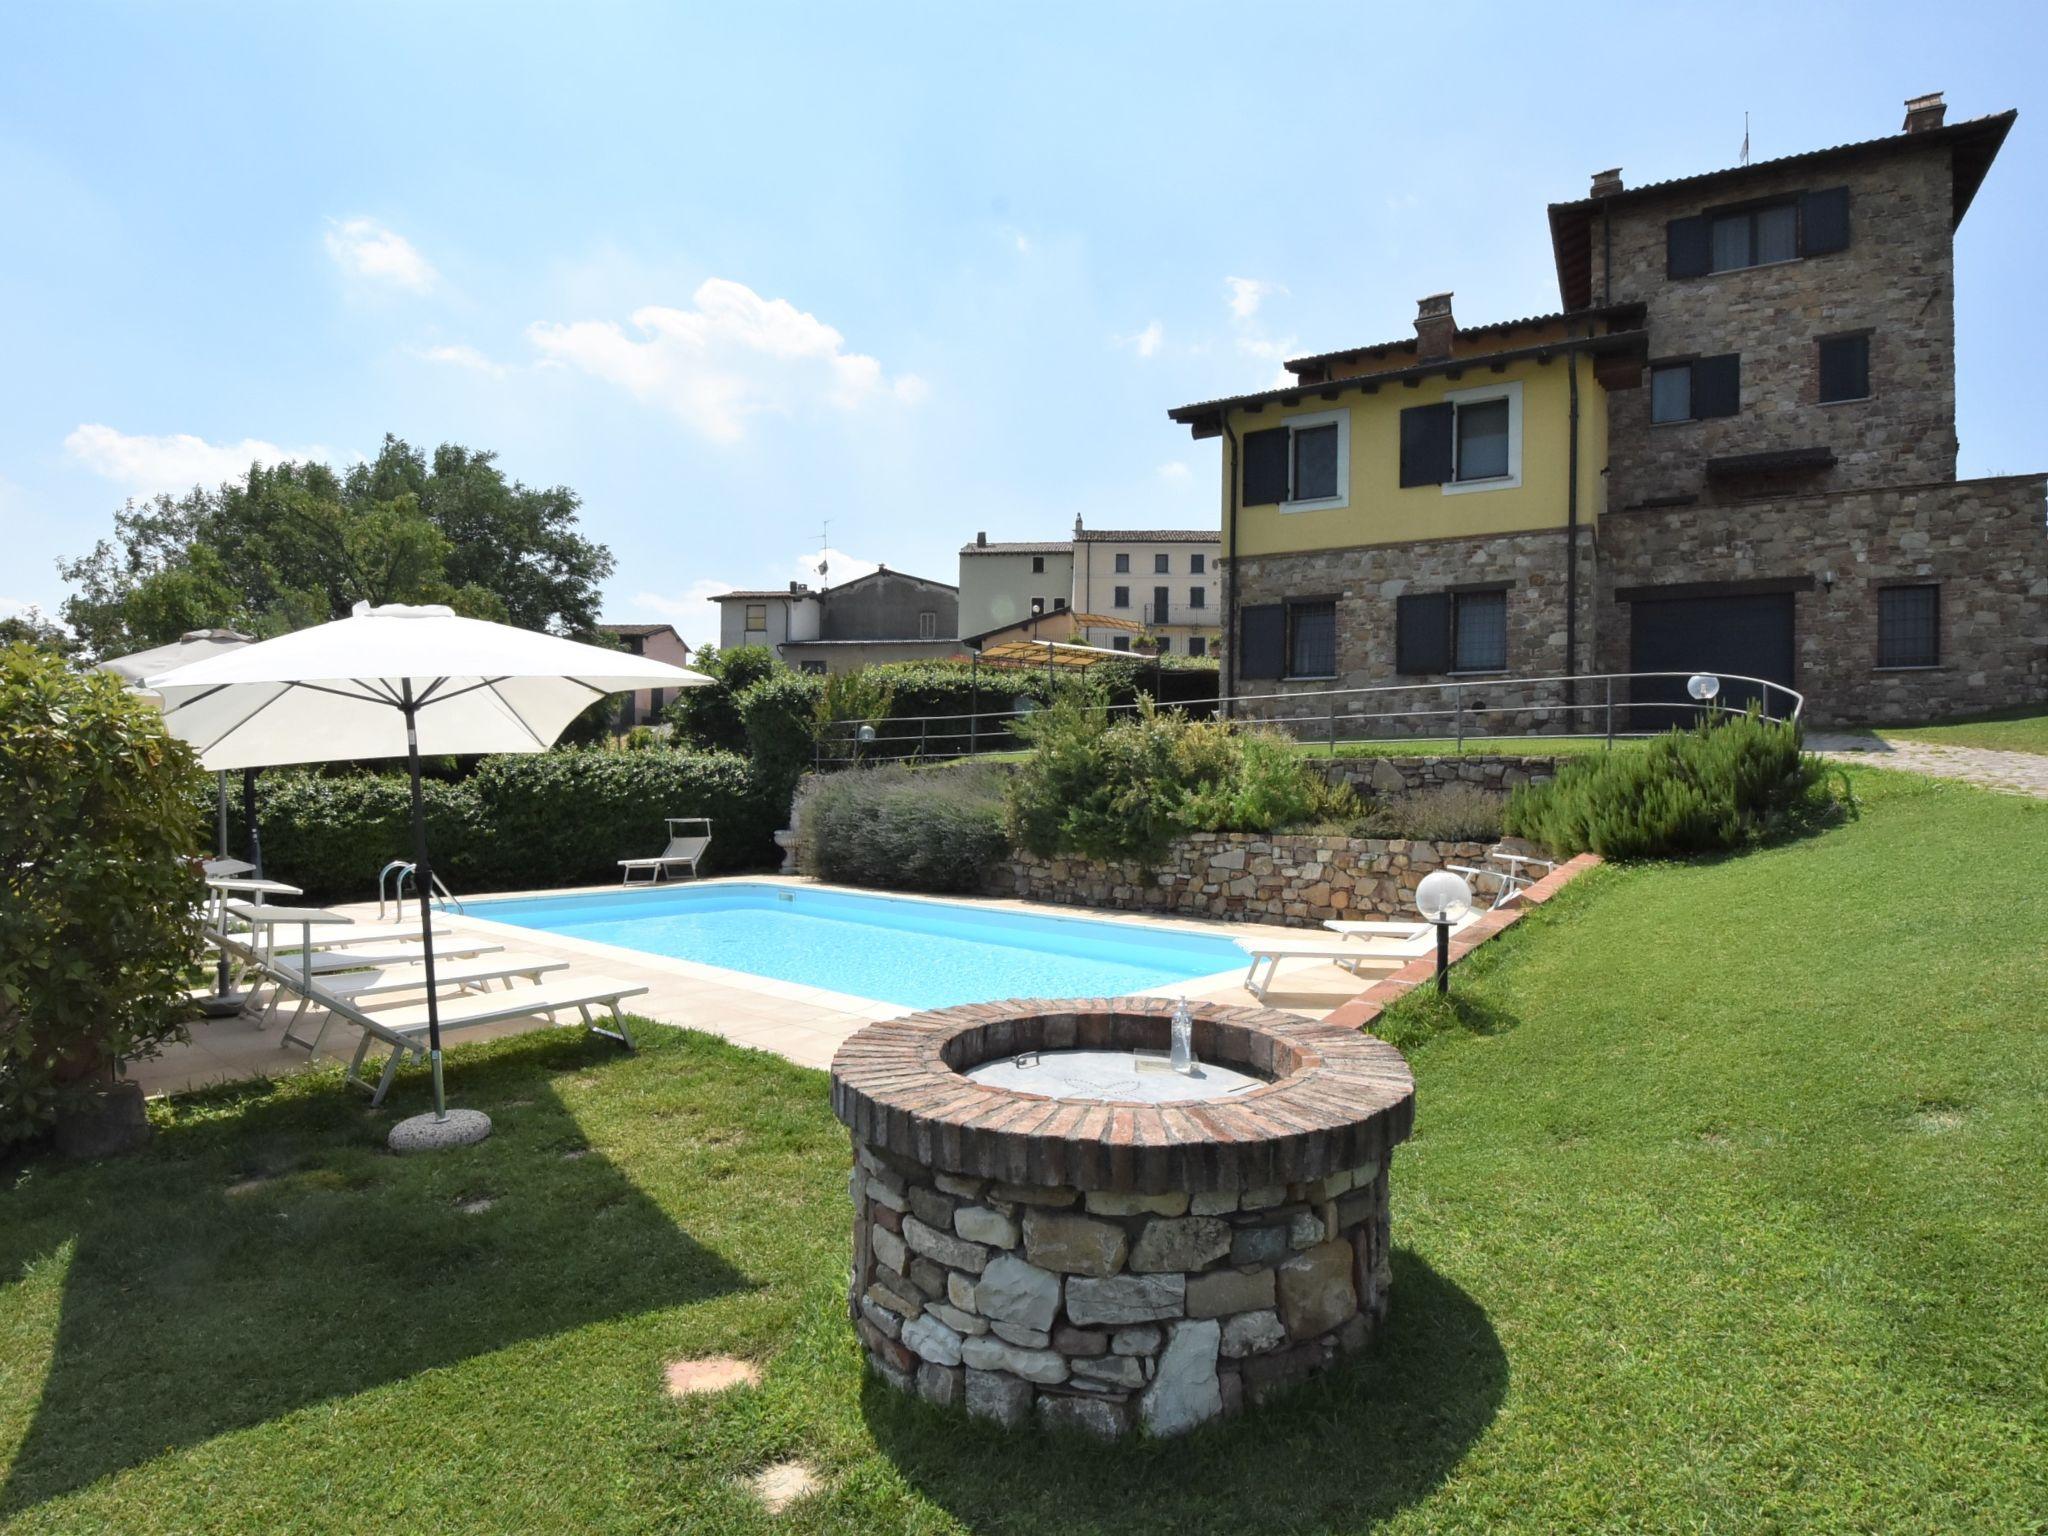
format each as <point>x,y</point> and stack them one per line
<point>334,1268</point>
<point>1345,1450</point>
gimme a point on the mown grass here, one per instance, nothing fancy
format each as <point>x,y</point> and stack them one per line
<point>2015,730</point>
<point>1724,1213</point>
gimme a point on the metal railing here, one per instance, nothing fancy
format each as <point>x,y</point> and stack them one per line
<point>1455,711</point>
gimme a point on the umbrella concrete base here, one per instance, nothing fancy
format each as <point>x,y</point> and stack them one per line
<point>426,1133</point>
<point>218,1005</point>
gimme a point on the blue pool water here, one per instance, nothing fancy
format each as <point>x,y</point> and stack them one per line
<point>920,954</point>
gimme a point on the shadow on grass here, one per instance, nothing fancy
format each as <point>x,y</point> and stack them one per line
<point>267,1254</point>
<point>1425,1013</point>
<point>1348,1448</point>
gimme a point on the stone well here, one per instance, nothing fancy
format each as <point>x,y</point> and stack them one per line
<point>1112,1263</point>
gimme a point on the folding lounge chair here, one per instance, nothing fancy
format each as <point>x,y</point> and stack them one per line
<point>409,975</point>
<point>1511,879</point>
<point>1362,948</point>
<point>405,1029</point>
<point>685,848</point>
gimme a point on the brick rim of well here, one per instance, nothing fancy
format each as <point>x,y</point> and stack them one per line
<point>1350,1099</point>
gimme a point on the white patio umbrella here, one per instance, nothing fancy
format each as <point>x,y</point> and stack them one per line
<point>398,681</point>
<point>133,669</point>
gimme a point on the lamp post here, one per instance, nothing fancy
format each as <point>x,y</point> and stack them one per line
<point>1443,898</point>
<point>1704,687</point>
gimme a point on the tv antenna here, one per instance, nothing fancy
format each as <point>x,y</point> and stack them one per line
<point>824,544</point>
<point>1745,138</point>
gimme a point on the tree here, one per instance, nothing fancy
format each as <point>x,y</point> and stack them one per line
<point>297,544</point>
<point>709,717</point>
<point>32,627</point>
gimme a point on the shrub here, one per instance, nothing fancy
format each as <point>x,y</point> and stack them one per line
<point>708,717</point>
<point>97,931</point>
<point>1448,813</point>
<point>1122,788</point>
<point>1710,789</point>
<point>919,829</point>
<point>862,694</point>
<point>780,712</point>
<point>519,821</point>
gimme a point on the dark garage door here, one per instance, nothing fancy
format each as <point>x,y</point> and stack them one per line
<point>1723,635</point>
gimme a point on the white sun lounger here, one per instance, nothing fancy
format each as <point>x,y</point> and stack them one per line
<point>411,976</point>
<point>405,1029</point>
<point>684,849</point>
<point>1361,948</point>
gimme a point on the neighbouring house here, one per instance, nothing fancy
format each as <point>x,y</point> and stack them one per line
<point>1732,450</point>
<point>661,642</point>
<point>1159,583</point>
<point>883,616</point>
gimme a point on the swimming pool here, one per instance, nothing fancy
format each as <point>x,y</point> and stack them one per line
<point>919,954</point>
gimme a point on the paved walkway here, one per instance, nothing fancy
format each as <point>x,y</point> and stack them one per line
<point>804,1024</point>
<point>2019,773</point>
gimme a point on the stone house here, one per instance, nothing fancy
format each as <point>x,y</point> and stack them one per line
<point>661,642</point>
<point>1156,582</point>
<point>1733,450</point>
<point>883,616</point>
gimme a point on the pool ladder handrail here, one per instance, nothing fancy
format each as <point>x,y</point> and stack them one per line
<point>407,870</point>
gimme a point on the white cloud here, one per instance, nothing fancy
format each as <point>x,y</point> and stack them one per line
<point>732,356</point>
<point>176,461</point>
<point>1247,293</point>
<point>693,611</point>
<point>459,355</point>
<point>840,568</point>
<point>365,249</point>
<point>1175,470</point>
<point>1145,343</point>
<point>14,607</point>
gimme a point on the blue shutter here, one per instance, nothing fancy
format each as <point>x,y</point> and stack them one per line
<point>1717,386</point>
<point>1688,251</point>
<point>1426,444</point>
<point>1261,641</point>
<point>1824,221</point>
<point>1265,467</point>
<point>1422,633</point>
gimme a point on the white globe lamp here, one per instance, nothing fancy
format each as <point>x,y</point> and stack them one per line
<point>1443,898</point>
<point>1703,686</point>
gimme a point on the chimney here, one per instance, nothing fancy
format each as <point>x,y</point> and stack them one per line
<point>1925,112</point>
<point>981,540</point>
<point>795,587</point>
<point>1077,524</point>
<point>1434,327</point>
<point>1606,183</point>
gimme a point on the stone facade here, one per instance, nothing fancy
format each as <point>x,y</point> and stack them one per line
<point>1896,280</point>
<point>1983,542</point>
<point>1366,583</point>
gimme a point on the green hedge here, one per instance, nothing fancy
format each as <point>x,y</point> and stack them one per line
<point>1720,786</point>
<point>518,822</point>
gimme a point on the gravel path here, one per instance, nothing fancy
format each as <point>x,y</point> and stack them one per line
<point>2019,773</point>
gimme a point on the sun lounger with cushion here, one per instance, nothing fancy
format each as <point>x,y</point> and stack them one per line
<point>411,976</point>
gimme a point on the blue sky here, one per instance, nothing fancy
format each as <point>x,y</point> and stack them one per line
<point>730,272</point>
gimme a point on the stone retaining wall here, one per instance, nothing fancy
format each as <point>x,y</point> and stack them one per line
<point>1380,776</point>
<point>1110,1310</point>
<point>1296,880</point>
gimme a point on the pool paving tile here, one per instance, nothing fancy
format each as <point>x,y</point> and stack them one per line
<point>806,1025</point>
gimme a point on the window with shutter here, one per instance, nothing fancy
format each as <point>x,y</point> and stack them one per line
<point>1315,463</point>
<point>1671,392</point>
<point>1824,221</point>
<point>1687,248</point>
<point>1479,632</point>
<point>1265,467</point>
<point>1161,564</point>
<point>1422,633</point>
<point>1717,385</point>
<point>1426,433</point>
<point>1120,597</point>
<point>1123,564</point>
<point>1261,640</point>
<point>1844,368</point>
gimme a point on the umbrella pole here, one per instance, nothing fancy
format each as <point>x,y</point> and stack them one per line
<point>248,818</point>
<point>423,883</point>
<point>221,815</point>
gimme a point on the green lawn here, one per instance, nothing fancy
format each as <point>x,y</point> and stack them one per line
<point>2008,731</point>
<point>1725,1213</point>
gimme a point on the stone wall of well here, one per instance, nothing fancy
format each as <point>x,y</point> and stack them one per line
<point>1297,880</point>
<point>1983,542</point>
<point>1107,1311</point>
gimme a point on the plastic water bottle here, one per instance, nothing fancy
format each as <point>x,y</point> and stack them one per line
<point>1183,1059</point>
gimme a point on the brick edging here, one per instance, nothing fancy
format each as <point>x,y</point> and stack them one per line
<point>1363,1009</point>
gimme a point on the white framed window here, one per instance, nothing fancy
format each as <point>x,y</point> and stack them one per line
<point>927,625</point>
<point>1486,438</point>
<point>1318,462</point>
